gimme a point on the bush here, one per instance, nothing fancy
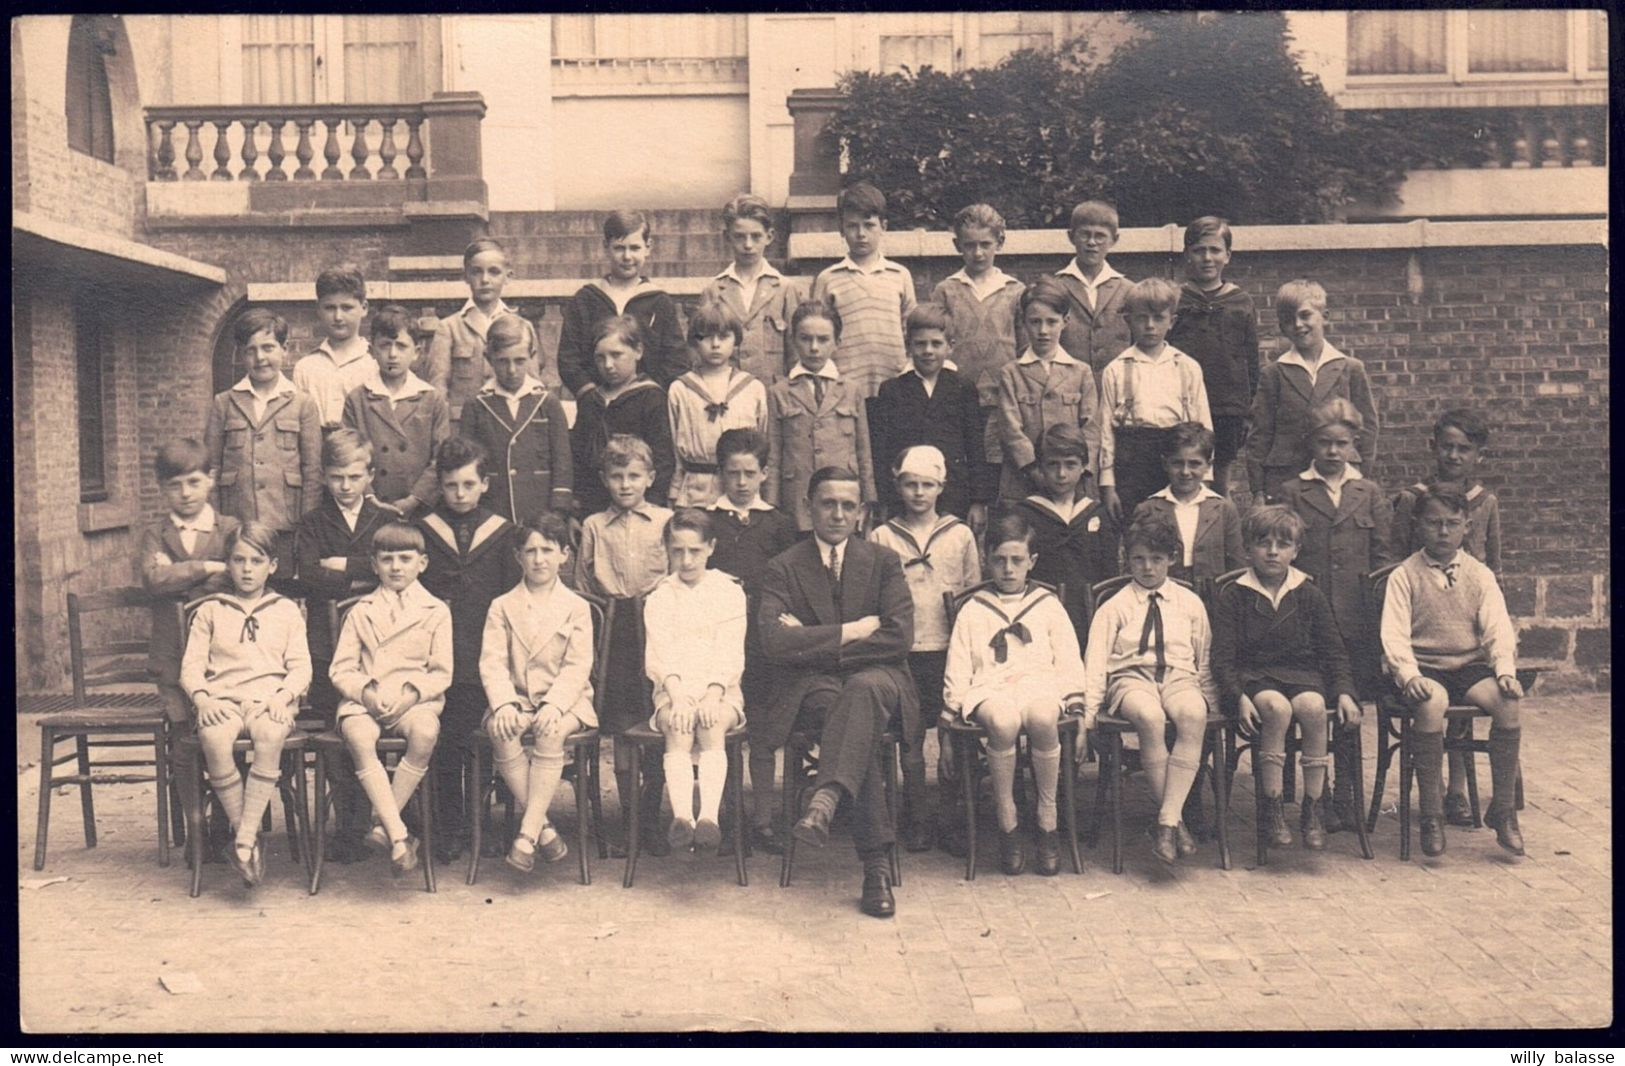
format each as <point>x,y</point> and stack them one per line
<point>1199,114</point>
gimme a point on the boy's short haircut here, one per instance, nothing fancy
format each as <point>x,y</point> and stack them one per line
<point>624,328</point>
<point>747,206</point>
<point>258,320</point>
<point>744,441</point>
<point>1334,412</point>
<point>1093,213</point>
<point>482,244</point>
<point>398,537</point>
<point>1189,435</point>
<point>1006,528</point>
<point>829,473</point>
<point>712,319</point>
<point>981,216</point>
<point>692,519</point>
<point>1050,293</point>
<point>1299,292</point>
<point>1207,226</point>
<point>343,447</point>
<point>815,309</point>
<point>457,452</point>
<point>1152,295</point>
<point>1276,521</point>
<point>506,331</point>
<point>390,322</point>
<point>624,223</point>
<point>179,457</point>
<point>860,198</point>
<point>1453,502</point>
<point>623,450</point>
<point>549,525</point>
<point>1470,422</point>
<point>1062,439</point>
<point>341,281</point>
<point>1155,532</point>
<point>255,534</point>
<point>928,316</point>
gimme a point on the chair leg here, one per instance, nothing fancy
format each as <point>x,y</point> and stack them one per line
<point>736,783</point>
<point>1289,772</point>
<point>426,801</point>
<point>892,800</point>
<point>1357,760</point>
<point>1517,798</point>
<point>1258,808</point>
<point>1471,758</point>
<point>196,831</point>
<point>583,818</point>
<point>160,763</point>
<point>790,806</point>
<point>1116,790</point>
<point>596,798</point>
<point>1221,793</point>
<point>1406,769</point>
<point>965,757</point>
<point>1102,787</point>
<point>86,803</point>
<point>1069,783</point>
<point>321,826</point>
<point>42,826</point>
<point>634,832</point>
<point>479,789</point>
<point>302,809</point>
<point>1385,755</point>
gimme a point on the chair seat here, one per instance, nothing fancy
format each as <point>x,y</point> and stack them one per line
<point>296,740</point>
<point>104,719</point>
<point>576,739</point>
<point>642,734</point>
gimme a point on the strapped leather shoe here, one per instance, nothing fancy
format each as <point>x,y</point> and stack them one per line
<point>1275,831</point>
<point>1047,853</point>
<point>1184,842</point>
<point>1165,843</point>
<point>877,901</point>
<point>1432,830</point>
<point>1314,833</point>
<point>1505,823</point>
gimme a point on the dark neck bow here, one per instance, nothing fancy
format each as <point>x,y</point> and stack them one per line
<point>1000,642</point>
<point>251,629</point>
<point>714,411</point>
<point>1449,572</point>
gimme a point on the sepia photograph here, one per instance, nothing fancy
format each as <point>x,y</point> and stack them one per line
<point>490,557</point>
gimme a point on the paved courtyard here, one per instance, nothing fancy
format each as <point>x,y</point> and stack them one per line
<point>1476,938</point>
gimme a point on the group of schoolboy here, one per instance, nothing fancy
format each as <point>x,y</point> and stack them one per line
<point>1080,426</point>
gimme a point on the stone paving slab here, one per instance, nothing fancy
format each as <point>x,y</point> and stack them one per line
<point>1328,941</point>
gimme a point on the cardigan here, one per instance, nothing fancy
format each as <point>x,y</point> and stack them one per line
<point>414,648</point>
<point>1049,649</point>
<point>950,419</point>
<point>324,534</point>
<point>531,458</point>
<point>241,651</point>
<point>987,330</point>
<point>467,581</point>
<point>1296,643</point>
<point>640,409</point>
<point>405,434</point>
<point>172,575</point>
<point>664,357</point>
<point>267,469</point>
<point>534,653</point>
<point>1220,331</point>
<point>1217,549</point>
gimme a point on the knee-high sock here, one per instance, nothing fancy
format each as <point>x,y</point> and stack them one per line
<point>255,798</point>
<point>1002,766</point>
<point>762,771</point>
<point>229,791</point>
<point>1504,744</point>
<point>713,778</point>
<point>1271,771</point>
<point>375,783</point>
<point>545,771</point>
<point>1154,761</point>
<point>515,773</point>
<point>1181,775</point>
<point>679,767</point>
<point>1046,774</point>
<point>408,775</point>
<point>1428,752</point>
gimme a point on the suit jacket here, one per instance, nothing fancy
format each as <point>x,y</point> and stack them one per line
<point>1096,337</point>
<point>804,438</point>
<point>322,534</point>
<point>172,575</point>
<point>267,469</point>
<point>532,658</point>
<point>404,436</point>
<point>1218,537</point>
<point>414,648</point>
<point>797,583</point>
<point>901,415</point>
<point>1283,405</point>
<point>468,583</point>
<point>532,463</point>
<point>764,354</point>
<point>1030,401</point>
<point>1342,544</point>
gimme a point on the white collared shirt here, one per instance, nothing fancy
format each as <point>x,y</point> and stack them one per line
<point>351,515</point>
<point>991,281</point>
<point>527,387</point>
<point>258,402</point>
<point>747,289</point>
<point>189,529</point>
<point>478,320</point>
<point>824,550</point>
<point>1328,354</point>
<point>829,371</point>
<point>1091,289</point>
<point>324,379</point>
<point>1061,356</point>
<point>880,263</point>
<point>1333,489</point>
<point>1294,577</point>
<point>756,504</point>
<point>410,386</point>
<point>1185,516</point>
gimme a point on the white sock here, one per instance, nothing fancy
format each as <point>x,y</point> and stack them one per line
<point>256,798</point>
<point>515,773</point>
<point>679,782</point>
<point>407,778</point>
<point>1002,767</point>
<point>375,783</point>
<point>713,778</point>
<point>545,771</point>
<point>1047,773</point>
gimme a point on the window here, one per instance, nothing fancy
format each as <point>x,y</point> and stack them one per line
<point>89,99</point>
<point>1477,45</point>
<point>90,350</point>
<point>321,59</point>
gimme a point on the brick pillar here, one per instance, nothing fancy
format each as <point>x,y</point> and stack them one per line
<point>454,209</point>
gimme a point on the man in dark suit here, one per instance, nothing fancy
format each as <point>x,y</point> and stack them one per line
<point>837,621</point>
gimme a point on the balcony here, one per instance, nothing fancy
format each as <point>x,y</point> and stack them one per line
<point>316,164</point>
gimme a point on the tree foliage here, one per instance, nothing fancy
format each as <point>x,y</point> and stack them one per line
<point>1198,114</point>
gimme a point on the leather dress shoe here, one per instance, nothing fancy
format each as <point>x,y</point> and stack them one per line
<point>1457,810</point>
<point>1432,829</point>
<point>1309,825</point>
<point>1012,857</point>
<point>1184,842</point>
<point>1047,853</point>
<point>1165,843</point>
<point>877,901</point>
<point>1505,823</point>
<point>813,828</point>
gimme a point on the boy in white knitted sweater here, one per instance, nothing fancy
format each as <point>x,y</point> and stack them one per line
<point>1447,640</point>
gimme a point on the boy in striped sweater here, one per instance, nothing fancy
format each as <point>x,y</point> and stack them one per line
<point>872,294</point>
<point>1447,640</point>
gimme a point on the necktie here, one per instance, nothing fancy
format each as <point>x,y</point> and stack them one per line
<point>1153,631</point>
<point>818,391</point>
<point>1449,572</point>
<point>1128,393</point>
<point>1001,640</point>
<point>464,532</point>
<point>835,567</point>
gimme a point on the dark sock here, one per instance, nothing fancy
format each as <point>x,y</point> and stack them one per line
<point>1503,746</point>
<point>875,860</point>
<point>827,798</point>
<point>1428,751</point>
